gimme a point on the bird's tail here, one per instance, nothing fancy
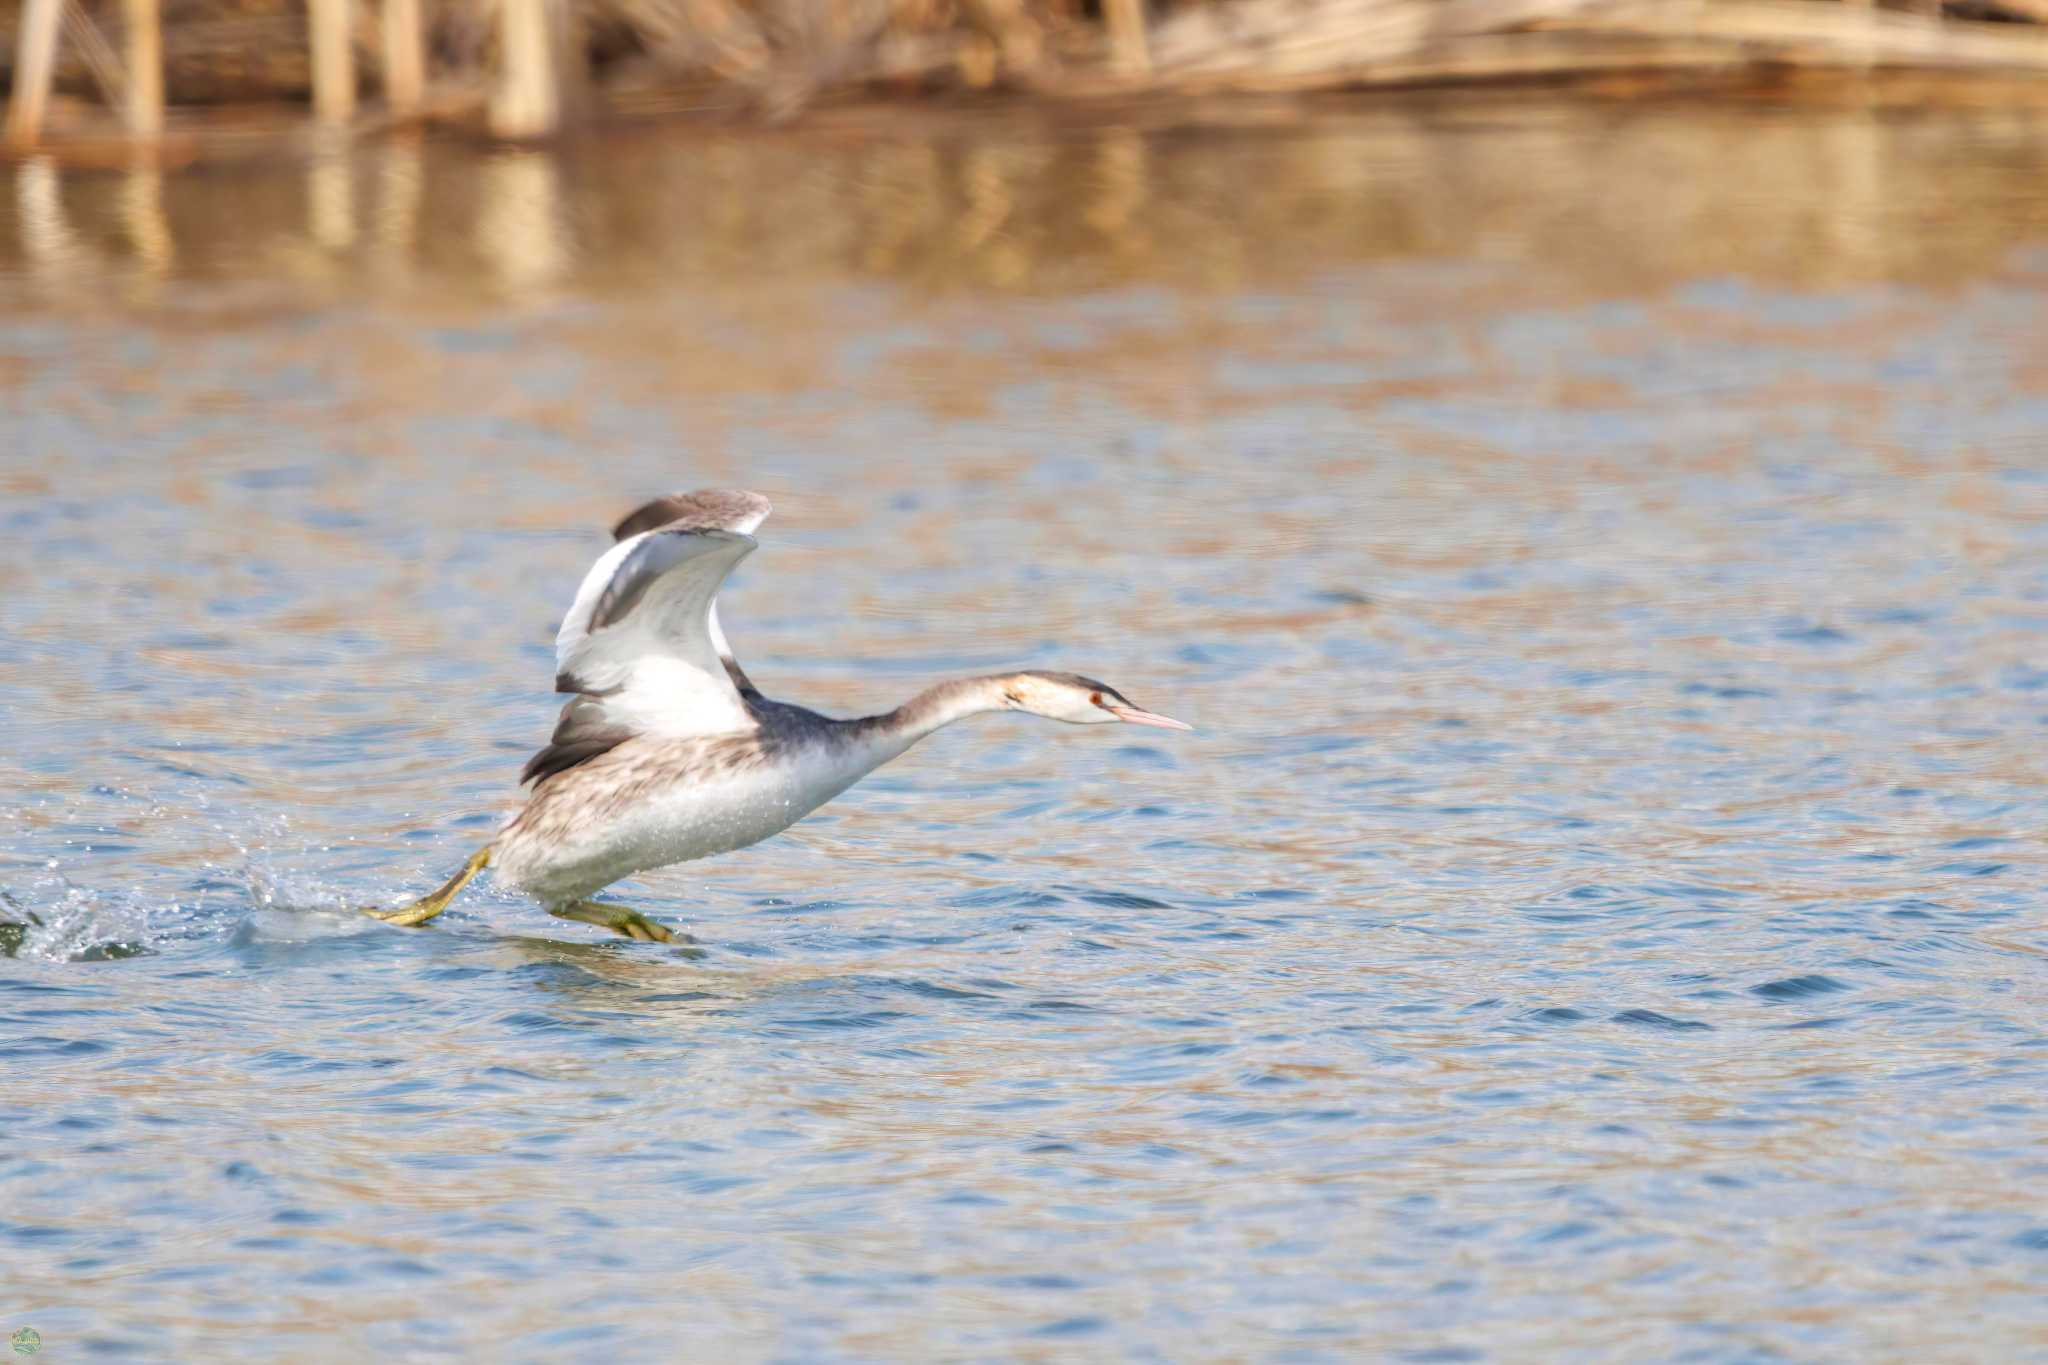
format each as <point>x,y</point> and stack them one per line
<point>426,907</point>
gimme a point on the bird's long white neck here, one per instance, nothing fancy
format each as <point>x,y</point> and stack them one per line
<point>937,706</point>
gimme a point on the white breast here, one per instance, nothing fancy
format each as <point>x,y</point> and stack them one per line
<point>652,803</point>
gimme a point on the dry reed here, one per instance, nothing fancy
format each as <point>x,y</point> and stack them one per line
<point>460,58</point>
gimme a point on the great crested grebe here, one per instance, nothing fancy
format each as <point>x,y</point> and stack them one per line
<point>667,752</point>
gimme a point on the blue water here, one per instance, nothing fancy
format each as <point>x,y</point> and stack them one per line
<point>1600,916</point>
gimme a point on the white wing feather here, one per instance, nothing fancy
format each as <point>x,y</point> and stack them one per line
<point>727,509</point>
<point>640,641</point>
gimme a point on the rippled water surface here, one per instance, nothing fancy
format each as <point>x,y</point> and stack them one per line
<point>1600,917</point>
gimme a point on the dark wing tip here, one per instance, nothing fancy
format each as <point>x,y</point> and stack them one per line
<point>559,758</point>
<point>723,509</point>
<point>740,681</point>
<point>581,733</point>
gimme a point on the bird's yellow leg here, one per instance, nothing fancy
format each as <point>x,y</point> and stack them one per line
<point>428,906</point>
<point>619,920</point>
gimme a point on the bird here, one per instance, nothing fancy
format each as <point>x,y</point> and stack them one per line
<point>667,752</point>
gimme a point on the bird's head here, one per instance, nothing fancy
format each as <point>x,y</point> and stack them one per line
<point>1077,701</point>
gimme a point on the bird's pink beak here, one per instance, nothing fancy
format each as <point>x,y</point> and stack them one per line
<point>1136,717</point>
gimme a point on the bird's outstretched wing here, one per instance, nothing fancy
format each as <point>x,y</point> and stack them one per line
<point>641,646</point>
<point>723,509</point>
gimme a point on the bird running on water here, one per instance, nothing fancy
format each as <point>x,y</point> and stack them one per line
<point>667,752</point>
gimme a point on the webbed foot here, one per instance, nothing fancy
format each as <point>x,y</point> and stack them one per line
<point>418,912</point>
<point>620,920</point>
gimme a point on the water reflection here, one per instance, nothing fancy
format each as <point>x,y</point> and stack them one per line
<point>1828,198</point>
<point>148,229</point>
<point>50,250</point>
<point>331,199</point>
<point>1115,209</point>
<point>520,225</point>
<point>401,189</point>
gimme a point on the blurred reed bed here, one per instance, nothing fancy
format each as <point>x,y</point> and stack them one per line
<point>774,57</point>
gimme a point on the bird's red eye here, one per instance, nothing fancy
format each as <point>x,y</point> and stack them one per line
<point>1095,697</point>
